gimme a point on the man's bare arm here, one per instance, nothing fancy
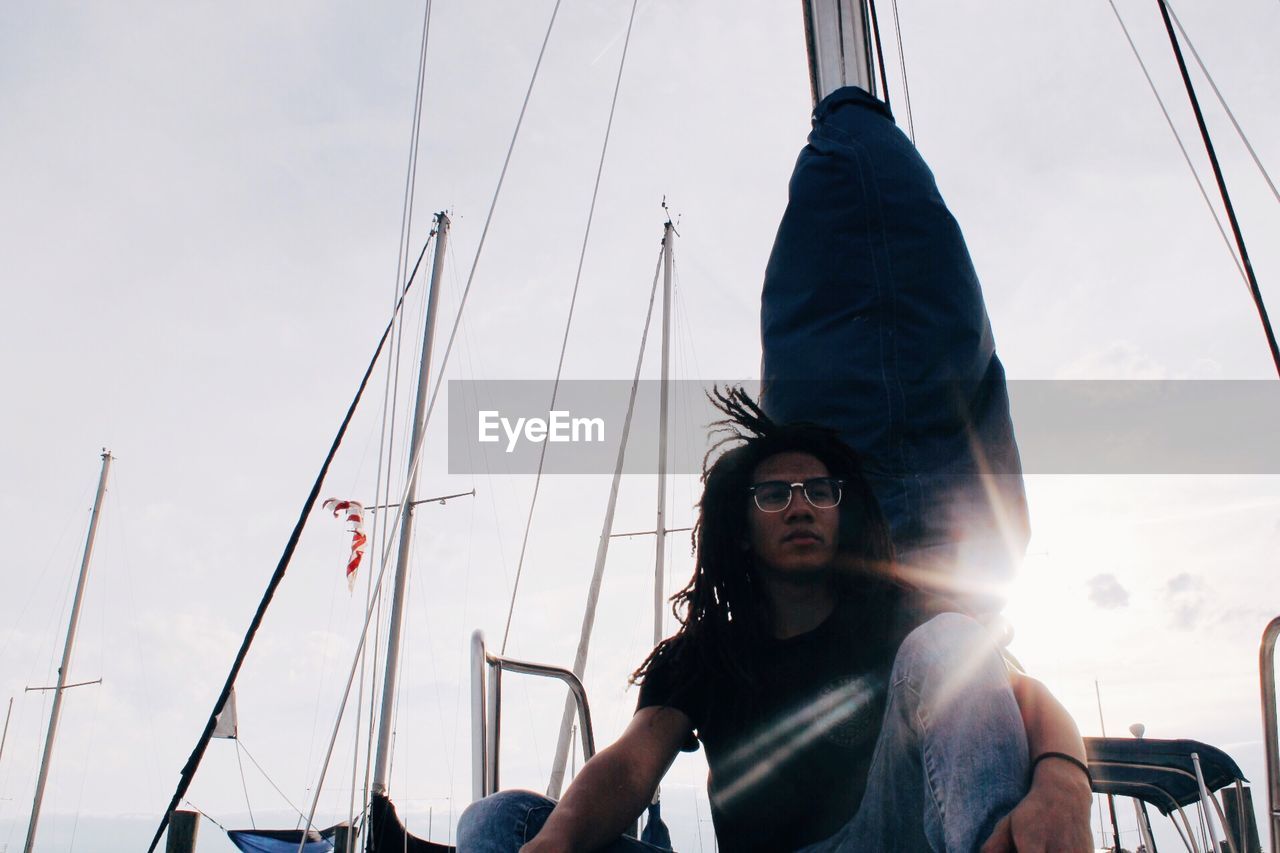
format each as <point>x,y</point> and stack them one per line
<point>614,787</point>
<point>1054,815</point>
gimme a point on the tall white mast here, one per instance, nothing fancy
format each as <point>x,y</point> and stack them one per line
<point>382,766</point>
<point>602,550</point>
<point>660,529</point>
<point>66,654</point>
<point>838,35</point>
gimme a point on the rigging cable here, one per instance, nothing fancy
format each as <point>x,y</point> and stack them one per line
<point>377,536</point>
<point>386,435</point>
<point>875,31</point>
<point>1222,189</point>
<point>387,440</point>
<point>902,64</point>
<point>369,604</point>
<point>119,520</point>
<point>565,739</point>
<point>564,344</point>
<point>244,786</point>
<point>415,137</point>
<point>484,231</point>
<point>488,219</point>
<point>204,815</point>
<point>193,762</point>
<point>270,781</point>
<point>1186,155</point>
<point>1221,100</point>
<point>374,603</point>
<point>319,679</point>
<point>391,402</point>
<point>475,261</point>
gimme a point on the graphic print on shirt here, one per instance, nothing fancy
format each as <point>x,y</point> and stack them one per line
<point>849,714</point>
<point>845,712</point>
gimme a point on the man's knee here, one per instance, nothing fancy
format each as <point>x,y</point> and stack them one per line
<point>943,633</point>
<point>951,649</point>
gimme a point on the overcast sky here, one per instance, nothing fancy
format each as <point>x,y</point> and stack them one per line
<point>198,248</point>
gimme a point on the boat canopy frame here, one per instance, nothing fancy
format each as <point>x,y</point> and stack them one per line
<point>1170,775</point>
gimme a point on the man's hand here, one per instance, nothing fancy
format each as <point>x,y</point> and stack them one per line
<point>612,789</point>
<point>538,845</point>
<point>1052,818</point>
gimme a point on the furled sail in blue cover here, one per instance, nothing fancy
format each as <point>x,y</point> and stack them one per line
<point>282,840</point>
<point>873,324</point>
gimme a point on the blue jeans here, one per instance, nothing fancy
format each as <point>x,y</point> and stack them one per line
<point>951,760</point>
<point>503,822</point>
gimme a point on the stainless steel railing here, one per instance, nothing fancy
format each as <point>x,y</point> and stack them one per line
<point>486,710</point>
<point>1267,664</point>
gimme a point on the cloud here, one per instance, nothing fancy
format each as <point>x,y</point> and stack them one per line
<point>1106,592</point>
<point>1243,617</point>
<point>1115,360</point>
<point>1184,616</point>
<point>1205,368</point>
<point>1184,593</point>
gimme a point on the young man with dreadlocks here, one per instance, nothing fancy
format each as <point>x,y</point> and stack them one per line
<point>838,713</point>
<point>841,708</point>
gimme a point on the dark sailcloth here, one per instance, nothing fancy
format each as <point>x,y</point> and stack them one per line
<point>282,840</point>
<point>873,323</point>
<point>387,834</point>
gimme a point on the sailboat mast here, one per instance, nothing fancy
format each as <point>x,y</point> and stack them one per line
<point>838,36</point>
<point>382,766</point>
<point>4,737</point>
<point>65,667</point>
<point>664,391</point>
<point>602,553</point>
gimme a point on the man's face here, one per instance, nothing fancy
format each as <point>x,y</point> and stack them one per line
<point>801,540</point>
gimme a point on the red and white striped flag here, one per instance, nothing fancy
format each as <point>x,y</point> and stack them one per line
<point>353,512</point>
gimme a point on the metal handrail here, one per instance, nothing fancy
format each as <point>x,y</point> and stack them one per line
<point>1267,664</point>
<point>486,710</point>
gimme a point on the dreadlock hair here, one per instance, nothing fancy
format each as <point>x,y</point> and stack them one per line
<point>722,611</point>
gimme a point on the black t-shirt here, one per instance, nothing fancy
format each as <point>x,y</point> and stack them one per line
<point>789,757</point>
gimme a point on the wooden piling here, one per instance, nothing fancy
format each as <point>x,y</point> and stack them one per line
<point>182,832</point>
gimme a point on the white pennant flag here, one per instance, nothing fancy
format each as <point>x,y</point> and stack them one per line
<point>225,724</point>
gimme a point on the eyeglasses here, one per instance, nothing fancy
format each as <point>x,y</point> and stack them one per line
<point>775,495</point>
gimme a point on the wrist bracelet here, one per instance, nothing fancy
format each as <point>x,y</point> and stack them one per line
<point>1070,759</point>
